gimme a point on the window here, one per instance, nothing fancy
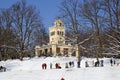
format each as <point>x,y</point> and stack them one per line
<point>52,33</point>
<point>60,24</point>
<point>58,32</point>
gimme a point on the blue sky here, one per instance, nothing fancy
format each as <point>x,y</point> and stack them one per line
<point>48,8</point>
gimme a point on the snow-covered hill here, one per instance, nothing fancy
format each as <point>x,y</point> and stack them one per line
<point>30,69</point>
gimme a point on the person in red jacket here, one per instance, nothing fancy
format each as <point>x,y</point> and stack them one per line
<point>62,78</point>
<point>43,65</point>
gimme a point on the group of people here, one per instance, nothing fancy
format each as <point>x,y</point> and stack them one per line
<point>58,66</point>
<point>2,69</point>
<point>70,64</point>
<point>112,62</point>
<point>98,63</point>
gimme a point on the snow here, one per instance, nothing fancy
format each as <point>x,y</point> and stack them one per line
<point>30,69</point>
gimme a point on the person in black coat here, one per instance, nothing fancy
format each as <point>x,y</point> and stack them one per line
<point>78,64</point>
<point>102,63</point>
<point>111,62</point>
<point>45,66</point>
<point>70,63</point>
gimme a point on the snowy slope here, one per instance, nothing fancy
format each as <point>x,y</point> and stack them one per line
<point>30,69</point>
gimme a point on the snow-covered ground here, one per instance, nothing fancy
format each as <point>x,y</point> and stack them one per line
<point>30,69</point>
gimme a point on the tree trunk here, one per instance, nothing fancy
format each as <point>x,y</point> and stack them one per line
<point>21,56</point>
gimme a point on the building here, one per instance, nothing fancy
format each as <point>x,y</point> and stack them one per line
<point>57,45</point>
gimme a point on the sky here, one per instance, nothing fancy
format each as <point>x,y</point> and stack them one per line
<point>48,8</point>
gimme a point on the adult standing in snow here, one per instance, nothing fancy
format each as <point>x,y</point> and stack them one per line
<point>50,65</point>
<point>66,65</point>
<point>111,62</point>
<point>45,66</point>
<point>97,63</point>
<point>86,64</point>
<point>70,63</point>
<point>102,63</point>
<point>78,63</point>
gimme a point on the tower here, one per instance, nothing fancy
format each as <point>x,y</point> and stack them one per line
<point>57,33</point>
<point>56,44</point>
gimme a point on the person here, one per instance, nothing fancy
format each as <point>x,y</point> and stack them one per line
<point>98,62</point>
<point>102,63</point>
<point>111,62</point>
<point>50,65</point>
<point>78,63</point>
<point>59,67</point>
<point>70,63</point>
<point>2,69</point>
<point>66,65</point>
<point>86,64</point>
<point>43,66</point>
<point>62,78</point>
<point>56,65</point>
<point>114,62</point>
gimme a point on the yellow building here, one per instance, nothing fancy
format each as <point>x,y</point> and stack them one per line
<point>56,45</point>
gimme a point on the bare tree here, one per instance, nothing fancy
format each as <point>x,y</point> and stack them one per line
<point>7,35</point>
<point>41,36</point>
<point>92,12</point>
<point>112,10</point>
<point>25,20</point>
<point>70,14</point>
<point>18,25</point>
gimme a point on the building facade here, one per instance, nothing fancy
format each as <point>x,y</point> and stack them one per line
<point>57,45</point>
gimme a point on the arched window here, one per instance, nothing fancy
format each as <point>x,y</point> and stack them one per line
<point>58,32</point>
<point>60,24</point>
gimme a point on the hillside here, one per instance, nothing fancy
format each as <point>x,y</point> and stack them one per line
<point>31,69</point>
